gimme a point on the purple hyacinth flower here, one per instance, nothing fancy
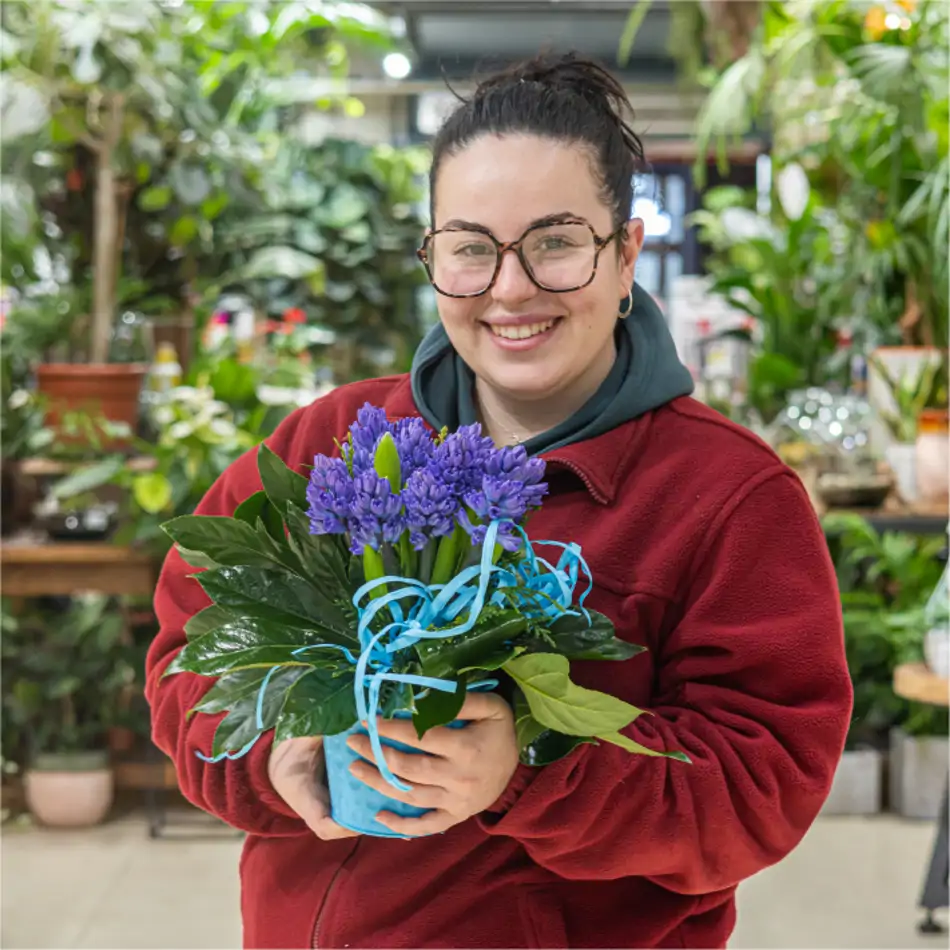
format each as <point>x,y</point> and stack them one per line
<point>370,426</point>
<point>512,463</point>
<point>375,513</point>
<point>329,495</point>
<point>430,506</point>
<point>462,458</point>
<point>414,444</point>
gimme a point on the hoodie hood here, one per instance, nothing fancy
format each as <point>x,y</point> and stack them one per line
<point>647,374</point>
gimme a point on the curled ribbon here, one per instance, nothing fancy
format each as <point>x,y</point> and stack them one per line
<point>541,594</point>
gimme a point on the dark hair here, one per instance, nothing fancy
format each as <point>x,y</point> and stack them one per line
<point>563,97</point>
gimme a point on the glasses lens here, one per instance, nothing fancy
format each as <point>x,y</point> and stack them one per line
<point>461,262</point>
<point>561,256</point>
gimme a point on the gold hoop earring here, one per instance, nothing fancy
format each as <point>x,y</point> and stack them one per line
<point>626,306</point>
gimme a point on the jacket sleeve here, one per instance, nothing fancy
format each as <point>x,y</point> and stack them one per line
<point>237,791</point>
<point>752,684</point>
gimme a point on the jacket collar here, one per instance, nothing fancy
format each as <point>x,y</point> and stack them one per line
<point>600,463</point>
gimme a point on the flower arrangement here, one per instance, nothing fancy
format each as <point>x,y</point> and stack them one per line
<point>395,578</point>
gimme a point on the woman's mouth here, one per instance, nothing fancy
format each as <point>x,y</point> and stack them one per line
<point>522,336</point>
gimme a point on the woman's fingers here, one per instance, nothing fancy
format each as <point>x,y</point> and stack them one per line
<point>433,823</point>
<point>416,768</point>
<point>422,796</point>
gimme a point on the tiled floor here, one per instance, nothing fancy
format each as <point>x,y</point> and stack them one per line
<point>852,883</point>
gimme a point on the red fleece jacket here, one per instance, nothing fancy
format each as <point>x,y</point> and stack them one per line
<point>705,549</point>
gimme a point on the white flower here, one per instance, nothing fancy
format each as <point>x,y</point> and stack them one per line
<point>181,430</point>
<point>18,399</point>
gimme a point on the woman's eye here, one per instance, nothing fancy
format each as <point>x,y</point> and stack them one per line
<point>473,250</point>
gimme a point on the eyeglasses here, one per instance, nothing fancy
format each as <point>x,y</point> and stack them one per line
<point>558,257</point>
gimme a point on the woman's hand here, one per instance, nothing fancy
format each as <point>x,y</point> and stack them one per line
<point>297,771</point>
<point>465,770</point>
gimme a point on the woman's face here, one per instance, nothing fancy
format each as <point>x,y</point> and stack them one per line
<point>525,343</point>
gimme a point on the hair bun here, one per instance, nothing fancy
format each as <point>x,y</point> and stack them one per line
<point>568,71</point>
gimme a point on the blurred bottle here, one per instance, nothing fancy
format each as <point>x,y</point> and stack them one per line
<point>165,374</point>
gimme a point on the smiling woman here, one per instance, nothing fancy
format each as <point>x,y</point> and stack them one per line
<point>703,549</point>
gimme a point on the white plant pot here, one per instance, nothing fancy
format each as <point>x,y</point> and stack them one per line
<point>902,458</point>
<point>918,767</point>
<point>937,651</point>
<point>857,785</point>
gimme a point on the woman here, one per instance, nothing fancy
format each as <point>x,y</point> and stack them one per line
<point>703,546</point>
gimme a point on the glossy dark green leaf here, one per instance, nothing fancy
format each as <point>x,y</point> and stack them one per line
<point>242,644</point>
<point>241,724</point>
<point>232,688</point>
<point>318,704</point>
<point>437,708</point>
<point>445,658</point>
<point>281,597</point>
<point>575,639</point>
<point>226,541</point>
<point>550,746</point>
<point>258,508</point>
<point>282,485</point>
<point>321,557</point>
<point>207,620</point>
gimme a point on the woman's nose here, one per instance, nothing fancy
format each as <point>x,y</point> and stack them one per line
<point>512,283</point>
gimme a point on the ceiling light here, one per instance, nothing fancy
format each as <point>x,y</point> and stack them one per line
<point>397,65</point>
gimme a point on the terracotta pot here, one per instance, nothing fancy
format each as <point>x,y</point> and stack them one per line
<point>933,456</point>
<point>107,389</point>
<point>70,790</point>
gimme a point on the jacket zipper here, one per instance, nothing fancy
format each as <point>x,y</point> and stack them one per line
<point>571,467</point>
<point>315,942</point>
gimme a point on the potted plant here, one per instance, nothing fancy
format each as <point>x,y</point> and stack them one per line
<point>65,667</point>
<point>910,395</point>
<point>149,132</point>
<point>886,580</point>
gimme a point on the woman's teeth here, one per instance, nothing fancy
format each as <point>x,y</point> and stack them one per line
<point>521,332</point>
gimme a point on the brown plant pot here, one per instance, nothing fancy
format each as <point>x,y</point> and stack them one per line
<point>110,390</point>
<point>70,790</point>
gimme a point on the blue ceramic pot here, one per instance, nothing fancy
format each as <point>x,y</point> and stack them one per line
<point>354,805</point>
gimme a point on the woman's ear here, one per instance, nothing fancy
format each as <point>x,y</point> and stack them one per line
<point>630,245</point>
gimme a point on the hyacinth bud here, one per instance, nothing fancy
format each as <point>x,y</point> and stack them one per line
<point>386,462</point>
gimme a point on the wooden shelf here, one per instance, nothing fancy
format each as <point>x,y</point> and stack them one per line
<point>914,681</point>
<point>137,776</point>
<point>32,568</point>
<point>48,467</point>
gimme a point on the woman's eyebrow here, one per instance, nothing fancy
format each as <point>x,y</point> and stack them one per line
<point>559,217</point>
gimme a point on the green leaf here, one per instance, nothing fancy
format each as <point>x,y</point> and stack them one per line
<point>242,644</point>
<point>626,743</point>
<point>322,557</point>
<point>196,558</point>
<point>227,541</point>
<point>282,261</point>
<point>444,659</point>
<point>284,487</point>
<point>241,726</point>
<point>156,198</point>
<point>233,688</point>
<point>152,492</point>
<point>280,597</point>
<point>318,704</point>
<point>437,708</point>
<point>257,507</point>
<point>89,477</point>
<point>577,640</point>
<point>537,745</point>
<point>559,704</point>
<point>207,620</point>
